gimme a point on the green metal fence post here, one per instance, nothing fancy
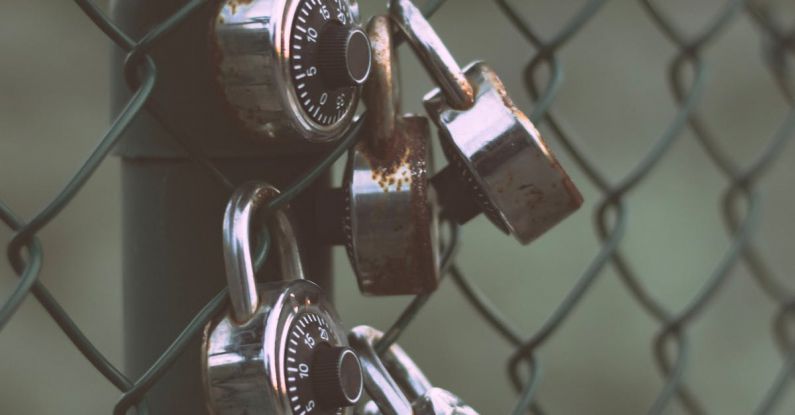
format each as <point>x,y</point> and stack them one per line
<point>172,207</point>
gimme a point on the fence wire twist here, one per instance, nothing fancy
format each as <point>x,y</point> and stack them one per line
<point>740,204</point>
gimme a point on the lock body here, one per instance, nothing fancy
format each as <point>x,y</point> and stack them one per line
<point>515,177</point>
<point>247,365</point>
<point>289,69</point>
<point>391,219</point>
<point>391,226</point>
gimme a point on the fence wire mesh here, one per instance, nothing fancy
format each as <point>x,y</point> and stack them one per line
<point>671,344</point>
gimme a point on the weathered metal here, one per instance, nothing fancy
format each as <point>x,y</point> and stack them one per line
<point>391,221</point>
<point>508,169</point>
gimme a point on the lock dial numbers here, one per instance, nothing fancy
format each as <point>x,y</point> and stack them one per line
<point>329,59</point>
<point>322,376</point>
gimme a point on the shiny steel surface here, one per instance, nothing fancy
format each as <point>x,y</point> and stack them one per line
<point>393,380</point>
<point>437,401</point>
<point>243,350</point>
<point>378,383</point>
<point>243,361</point>
<point>368,408</point>
<point>433,53</point>
<point>391,214</point>
<point>516,179</point>
<point>509,169</point>
<point>250,52</point>
<point>237,246</point>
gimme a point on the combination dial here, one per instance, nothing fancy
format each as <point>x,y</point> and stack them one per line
<point>329,57</point>
<point>290,68</point>
<point>323,377</point>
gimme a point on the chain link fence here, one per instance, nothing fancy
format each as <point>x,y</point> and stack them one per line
<point>687,79</point>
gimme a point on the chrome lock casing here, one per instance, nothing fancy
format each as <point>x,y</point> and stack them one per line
<point>391,221</point>
<point>251,56</point>
<point>243,363</point>
<point>245,351</point>
<point>514,176</point>
<point>509,170</point>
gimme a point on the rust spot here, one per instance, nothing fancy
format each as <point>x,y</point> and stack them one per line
<point>233,4</point>
<point>405,164</point>
<point>398,163</point>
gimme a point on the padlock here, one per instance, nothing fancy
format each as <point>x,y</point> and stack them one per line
<point>390,225</point>
<point>280,348</point>
<point>396,384</point>
<point>492,146</point>
<point>289,68</point>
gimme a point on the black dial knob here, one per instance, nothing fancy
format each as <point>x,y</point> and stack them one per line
<point>344,56</point>
<point>336,377</point>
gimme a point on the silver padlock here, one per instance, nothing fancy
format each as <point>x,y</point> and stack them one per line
<point>510,171</point>
<point>290,68</point>
<point>281,348</point>
<point>396,384</point>
<point>391,221</point>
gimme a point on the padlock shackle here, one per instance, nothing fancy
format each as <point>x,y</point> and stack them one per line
<point>433,54</point>
<point>392,380</point>
<point>381,93</point>
<point>240,213</point>
<point>285,239</point>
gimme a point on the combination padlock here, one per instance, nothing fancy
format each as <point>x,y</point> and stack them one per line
<point>497,158</point>
<point>396,384</point>
<point>290,68</point>
<point>390,225</point>
<point>281,348</point>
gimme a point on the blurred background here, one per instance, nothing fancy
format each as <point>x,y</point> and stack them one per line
<point>54,106</point>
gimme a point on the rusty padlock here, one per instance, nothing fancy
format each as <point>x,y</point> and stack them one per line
<point>495,152</point>
<point>391,222</point>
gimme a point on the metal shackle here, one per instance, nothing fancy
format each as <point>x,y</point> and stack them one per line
<point>379,382</point>
<point>433,54</point>
<point>396,384</point>
<point>381,94</point>
<point>238,218</point>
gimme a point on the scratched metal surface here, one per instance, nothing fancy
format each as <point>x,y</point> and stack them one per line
<point>650,263</point>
